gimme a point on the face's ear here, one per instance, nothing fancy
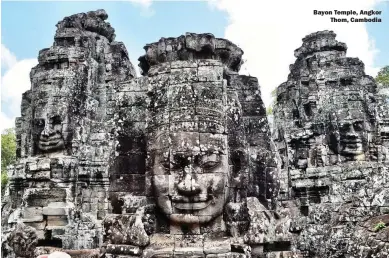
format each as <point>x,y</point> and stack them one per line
<point>333,141</point>
<point>368,126</point>
<point>332,136</point>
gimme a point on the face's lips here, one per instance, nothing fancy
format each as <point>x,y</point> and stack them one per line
<point>197,202</point>
<point>353,145</point>
<point>50,144</point>
<point>352,141</point>
<point>191,206</point>
<point>50,139</point>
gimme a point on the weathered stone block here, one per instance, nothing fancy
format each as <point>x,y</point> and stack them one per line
<point>42,175</point>
<point>51,211</point>
<point>43,196</point>
<point>134,163</point>
<point>32,214</point>
<point>124,250</point>
<point>131,183</point>
<point>55,221</point>
<point>162,68</point>
<point>183,75</point>
<point>210,74</point>
<point>183,64</point>
<point>180,95</point>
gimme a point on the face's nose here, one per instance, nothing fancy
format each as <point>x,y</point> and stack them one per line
<point>351,132</point>
<point>47,130</point>
<point>189,186</point>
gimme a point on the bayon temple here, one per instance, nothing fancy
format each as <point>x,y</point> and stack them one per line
<point>181,162</point>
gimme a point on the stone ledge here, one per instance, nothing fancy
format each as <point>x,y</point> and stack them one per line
<point>191,47</point>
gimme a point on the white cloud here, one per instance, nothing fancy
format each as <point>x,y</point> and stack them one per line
<point>8,59</point>
<point>145,7</point>
<point>14,82</point>
<point>6,122</point>
<point>145,3</point>
<point>270,31</point>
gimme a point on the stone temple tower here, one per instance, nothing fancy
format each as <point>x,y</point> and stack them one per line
<point>333,187</point>
<point>64,141</point>
<point>195,173</point>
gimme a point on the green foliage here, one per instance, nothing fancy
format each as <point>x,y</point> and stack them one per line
<point>382,78</point>
<point>274,93</point>
<point>269,109</point>
<point>4,180</point>
<point>379,226</point>
<point>8,153</point>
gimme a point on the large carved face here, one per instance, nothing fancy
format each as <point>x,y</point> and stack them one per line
<point>384,132</point>
<point>352,139</point>
<point>190,185</point>
<point>51,127</point>
<point>50,137</point>
<point>351,135</point>
<point>52,83</point>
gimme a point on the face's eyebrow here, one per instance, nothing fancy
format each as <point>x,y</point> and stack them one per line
<point>211,151</point>
<point>184,155</point>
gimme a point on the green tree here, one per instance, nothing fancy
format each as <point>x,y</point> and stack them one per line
<point>8,153</point>
<point>269,109</point>
<point>382,78</point>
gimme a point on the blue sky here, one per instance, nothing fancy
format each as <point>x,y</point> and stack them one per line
<point>380,33</point>
<point>23,22</point>
<point>267,34</point>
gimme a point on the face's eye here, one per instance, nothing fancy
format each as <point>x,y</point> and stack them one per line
<point>209,161</point>
<point>163,160</point>
<point>39,122</point>
<point>180,161</point>
<point>344,127</point>
<point>358,126</point>
<point>56,120</point>
<point>210,165</point>
<point>175,165</point>
<point>166,164</point>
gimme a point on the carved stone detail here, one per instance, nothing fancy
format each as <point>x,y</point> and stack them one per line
<point>181,163</point>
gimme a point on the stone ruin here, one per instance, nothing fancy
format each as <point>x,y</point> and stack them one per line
<point>181,163</point>
<point>59,185</point>
<point>331,133</point>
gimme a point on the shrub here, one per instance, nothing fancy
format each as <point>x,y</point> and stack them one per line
<point>379,226</point>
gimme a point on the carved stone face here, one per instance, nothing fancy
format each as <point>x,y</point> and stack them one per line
<point>49,131</point>
<point>384,132</point>
<point>190,185</point>
<point>352,137</point>
<point>349,135</point>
